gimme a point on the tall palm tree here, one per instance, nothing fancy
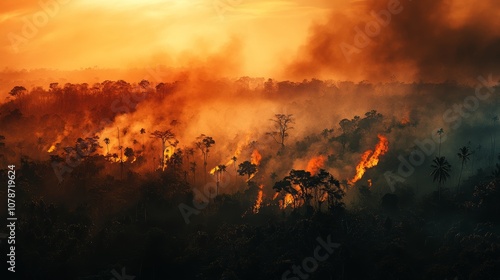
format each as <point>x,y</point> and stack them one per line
<point>221,168</point>
<point>189,152</point>
<point>106,141</point>
<point>440,132</point>
<point>234,158</point>
<point>192,168</point>
<point>464,156</point>
<point>204,143</point>
<point>494,120</point>
<point>440,172</point>
<point>166,136</point>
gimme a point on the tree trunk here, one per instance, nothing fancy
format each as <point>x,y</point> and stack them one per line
<point>460,177</point>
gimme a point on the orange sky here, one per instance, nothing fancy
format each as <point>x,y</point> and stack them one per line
<point>136,33</point>
<point>283,39</point>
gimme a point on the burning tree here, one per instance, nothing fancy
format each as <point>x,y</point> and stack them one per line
<point>286,187</point>
<point>282,124</point>
<point>371,158</point>
<point>330,186</point>
<point>303,180</point>
<point>86,146</point>
<point>247,168</point>
<point>129,153</point>
<point>166,136</point>
<point>204,143</point>
<point>300,184</point>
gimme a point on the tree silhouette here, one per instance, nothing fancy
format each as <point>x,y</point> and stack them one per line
<point>189,152</point>
<point>464,155</point>
<point>247,168</point>
<point>17,91</point>
<point>129,153</point>
<point>286,186</point>
<point>348,128</point>
<point>282,124</point>
<point>192,168</point>
<point>440,132</point>
<point>176,160</point>
<point>166,136</point>
<point>221,168</point>
<point>493,140</point>
<point>203,143</point>
<point>317,186</point>
<point>106,141</point>
<point>144,84</point>
<point>303,180</point>
<point>234,158</point>
<point>327,184</point>
<point>440,172</point>
<point>143,131</point>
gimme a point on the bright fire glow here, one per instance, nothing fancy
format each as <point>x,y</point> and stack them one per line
<point>258,202</point>
<point>288,200</point>
<point>51,149</point>
<point>315,164</point>
<point>370,158</point>
<point>256,157</point>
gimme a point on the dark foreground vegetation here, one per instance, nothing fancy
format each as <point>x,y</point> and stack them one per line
<point>395,236</point>
<point>98,200</point>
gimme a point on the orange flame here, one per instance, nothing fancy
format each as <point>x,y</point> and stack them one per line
<point>369,183</point>
<point>315,164</point>
<point>288,200</point>
<point>51,149</point>
<point>256,157</point>
<point>258,202</point>
<point>275,195</point>
<point>215,169</point>
<point>237,153</point>
<point>370,158</point>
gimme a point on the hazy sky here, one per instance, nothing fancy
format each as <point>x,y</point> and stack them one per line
<point>425,39</point>
<point>87,33</point>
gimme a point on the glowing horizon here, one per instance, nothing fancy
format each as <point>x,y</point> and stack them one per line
<point>75,34</point>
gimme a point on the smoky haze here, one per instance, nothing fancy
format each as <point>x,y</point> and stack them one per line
<point>404,40</point>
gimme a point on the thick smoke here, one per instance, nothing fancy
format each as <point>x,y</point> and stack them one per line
<point>404,40</point>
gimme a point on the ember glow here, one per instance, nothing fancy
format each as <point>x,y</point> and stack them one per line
<point>51,149</point>
<point>315,164</point>
<point>256,157</point>
<point>258,201</point>
<point>370,158</point>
